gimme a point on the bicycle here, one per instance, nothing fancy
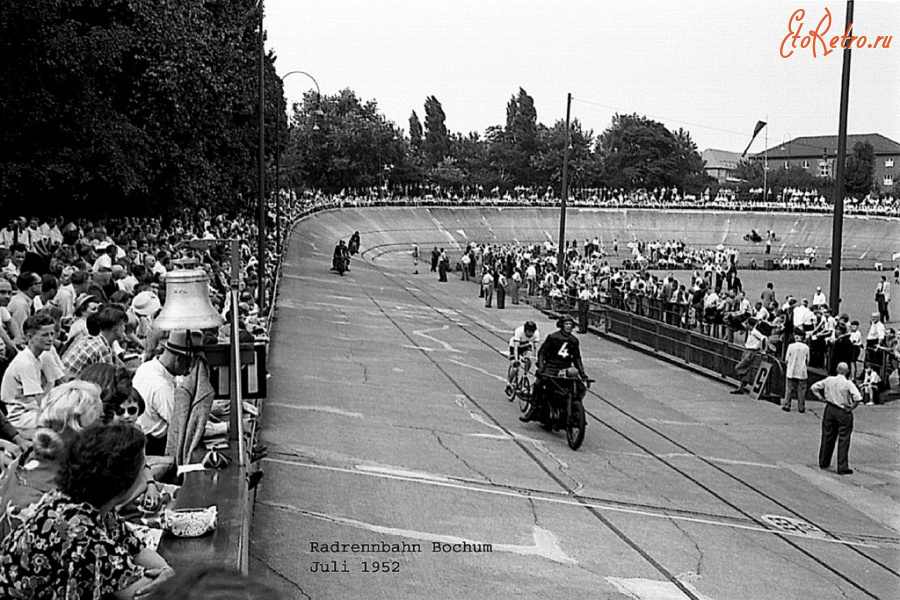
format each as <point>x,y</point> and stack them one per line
<point>521,383</point>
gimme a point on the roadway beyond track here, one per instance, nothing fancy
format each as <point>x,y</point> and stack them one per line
<point>396,460</point>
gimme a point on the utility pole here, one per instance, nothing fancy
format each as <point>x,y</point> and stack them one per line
<point>561,256</point>
<point>837,233</point>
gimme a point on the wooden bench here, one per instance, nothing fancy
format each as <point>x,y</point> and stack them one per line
<point>228,545</point>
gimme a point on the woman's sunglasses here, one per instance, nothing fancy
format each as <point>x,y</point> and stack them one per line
<point>131,410</point>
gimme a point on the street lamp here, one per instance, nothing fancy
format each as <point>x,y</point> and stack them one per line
<point>261,191</point>
<point>318,112</point>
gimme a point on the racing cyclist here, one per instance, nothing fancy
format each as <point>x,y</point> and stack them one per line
<point>521,348</point>
<point>558,353</point>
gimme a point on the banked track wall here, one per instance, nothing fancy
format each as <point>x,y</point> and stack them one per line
<point>394,229</point>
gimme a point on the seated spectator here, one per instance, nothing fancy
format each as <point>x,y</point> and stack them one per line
<point>30,375</point>
<point>155,382</point>
<point>145,306</point>
<point>74,544</point>
<point>90,349</point>
<point>85,305</point>
<point>66,410</point>
<point>870,386</point>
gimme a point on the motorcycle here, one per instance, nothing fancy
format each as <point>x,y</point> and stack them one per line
<point>563,407</point>
<point>341,264</point>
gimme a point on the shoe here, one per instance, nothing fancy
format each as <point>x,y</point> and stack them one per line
<point>870,404</point>
<point>825,467</point>
<point>845,472</point>
<point>508,390</point>
<point>801,410</point>
<point>737,391</point>
<point>786,408</point>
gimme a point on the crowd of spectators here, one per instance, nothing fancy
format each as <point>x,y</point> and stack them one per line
<point>91,389</point>
<point>708,297</point>
<point>724,199</point>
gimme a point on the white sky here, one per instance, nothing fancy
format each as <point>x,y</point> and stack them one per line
<point>712,67</point>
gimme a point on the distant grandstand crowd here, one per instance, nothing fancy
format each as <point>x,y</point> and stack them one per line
<point>785,200</point>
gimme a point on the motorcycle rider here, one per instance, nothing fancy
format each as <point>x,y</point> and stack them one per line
<point>558,353</point>
<point>521,348</point>
<point>353,245</point>
<point>341,253</point>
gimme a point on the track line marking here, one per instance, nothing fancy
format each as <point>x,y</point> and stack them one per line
<point>564,501</point>
<point>546,544</point>
<point>327,409</point>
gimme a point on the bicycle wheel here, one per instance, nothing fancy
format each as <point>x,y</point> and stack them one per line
<point>575,426</point>
<point>511,375</point>
<point>524,393</point>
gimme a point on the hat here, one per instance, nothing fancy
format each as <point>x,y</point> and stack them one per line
<point>83,299</point>
<point>875,314</point>
<point>145,304</point>
<point>179,342</point>
<point>118,269</point>
<point>103,245</point>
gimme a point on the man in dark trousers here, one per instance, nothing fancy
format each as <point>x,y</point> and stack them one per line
<point>435,256</point>
<point>840,397</point>
<point>443,265</point>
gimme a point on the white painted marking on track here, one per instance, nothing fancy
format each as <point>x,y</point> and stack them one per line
<point>326,409</point>
<point>399,471</point>
<point>564,501</point>
<point>546,544</point>
<point>424,333</point>
<point>649,589</point>
<point>479,369</point>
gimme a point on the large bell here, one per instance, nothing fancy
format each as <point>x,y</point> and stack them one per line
<point>187,302</point>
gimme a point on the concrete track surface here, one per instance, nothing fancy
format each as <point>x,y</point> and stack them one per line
<point>388,428</point>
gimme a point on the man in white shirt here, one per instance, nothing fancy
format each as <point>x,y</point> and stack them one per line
<point>803,317</point>
<point>840,397</point>
<point>28,377</point>
<point>155,381</point>
<point>797,361</point>
<point>756,344</point>
<point>819,299</point>
<point>874,338</point>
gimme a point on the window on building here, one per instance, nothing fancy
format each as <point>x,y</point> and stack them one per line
<point>805,164</point>
<point>824,169</point>
<point>888,180</point>
<point>787,165</point>
<point>889,162</point>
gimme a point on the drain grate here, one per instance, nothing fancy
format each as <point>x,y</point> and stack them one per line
<point>794,526</point>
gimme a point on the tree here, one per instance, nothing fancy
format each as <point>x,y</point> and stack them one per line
<point>639,152</point>
<point>860,178</point>
<point>134,103</point>
<point>351,148</point>
<point>547,163</point>
<point>437,141</point>
<point>415,131</point>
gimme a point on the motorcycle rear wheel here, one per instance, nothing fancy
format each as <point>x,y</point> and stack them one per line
<point>575,426</point>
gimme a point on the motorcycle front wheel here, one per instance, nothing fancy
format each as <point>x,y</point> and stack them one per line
<point>575,426</point>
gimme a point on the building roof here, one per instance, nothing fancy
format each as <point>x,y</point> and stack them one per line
<point>720,159</point>
<point>816,146</point>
